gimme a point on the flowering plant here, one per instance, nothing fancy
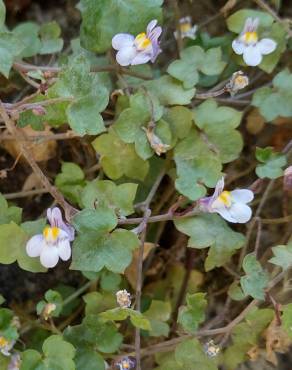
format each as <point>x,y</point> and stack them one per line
<point>145,177</point>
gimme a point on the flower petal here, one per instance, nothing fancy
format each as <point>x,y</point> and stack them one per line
<point>225,213</point>
<point>242,195</point>
<point>122,40</point>
<point>241,212</point>
<point>55,219</point>
<point>125,56</point>
<point>267,46</point>
<point>219,188</point>
<point>64,249</point>
<point>252,55</point>
<point>151,25</point>
<point>238,47</point>
<point>35,245</point>
<point>49,256</point>
<point>141,58</point>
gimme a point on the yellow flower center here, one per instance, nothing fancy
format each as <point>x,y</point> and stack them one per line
<point>51,233</point>
<point>250,37</point>
<point>126,365</point>
<point>3,342</point>
<point>141,41</point>
<point>185,27</point>
<point>225,198</point>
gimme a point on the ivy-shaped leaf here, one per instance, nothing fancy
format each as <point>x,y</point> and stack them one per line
<point>158,313</point>
<point>282,256</point>
<point>255,280</point>
<point>96,247</point>
<point>70,181</point>
<point>170,91</point>
<point>200,155</point>
<point>10,48</point>
<point>210,230</point>
<point>9,213</point>
<point>245,336</point>
<point>50,38</point>
<point>194,60</point>
<point>120,314</point>
<point>119,158</point>
<point>191,315</point>
<point>277,100</point>
<point>106,193</point>
<point>272,163</point>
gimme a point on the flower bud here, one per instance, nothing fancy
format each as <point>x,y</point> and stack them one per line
<point>211,349</point>
<point>48,310</point>
<point>123,298</point>
<point>237,82</point>
<point>156,144</point>
<point>39,111</point>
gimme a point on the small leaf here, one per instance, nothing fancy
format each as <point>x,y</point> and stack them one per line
<point>51,42</point>
<point>287,319</point>
<point>210,230</point>
<point>191,315</point>
<point>282,256</point>
<point>169,91</point>
<point>255,280</point>
<point>272,163</point>
<point>193,60</point>
<point>119,158</point>
<point>9,213</point>
<point>236,21</point>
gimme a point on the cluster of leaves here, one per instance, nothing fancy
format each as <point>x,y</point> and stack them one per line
<point>201,138</point>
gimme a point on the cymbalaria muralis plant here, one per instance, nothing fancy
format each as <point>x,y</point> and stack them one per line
<point>152,162</point>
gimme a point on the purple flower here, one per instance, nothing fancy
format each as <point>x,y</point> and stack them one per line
<point>54,242</point>
<point>140,49</point>
<point>231,205</point>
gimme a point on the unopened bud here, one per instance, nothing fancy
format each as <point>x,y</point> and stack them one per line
<point>48,310</point>
<point>155,142</point>
<point>123,298</point>
<point>237,82</point>
<point>39,111</point>
<point>211,349</point>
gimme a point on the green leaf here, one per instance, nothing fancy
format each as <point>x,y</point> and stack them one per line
<point>179,120</point>
<point>119,158</point>
<point>84,114</point>
<point>10,47</point>
<point>94,333</point>
<point>236,21</point>
<point>7,328</point>
<point>71,181</point>
<point>272,163</point>
<point>110,281</point>
<point>194,60</point>
<point>51,296</point>
<point>88,359</point>
<point>113,251</point>
<point>200,155</point>
<point>51,42</point>
<point>58,353</point>
<point>96,221</point>
<point>97,302</point>
<point>106,193</point>
<point>158,313</point>
<point>235,292</point>
<point>132,122</point>
<point>121,314</point>
<point>30,359</point>
<point>27,33</point>
<point>2,299</point>
<point>246,335</point>
<point>103,19</point>
<point>12,247</point>
<point>2,13</point>
<point>287,319</point>
<point>277,100</point>
<point>282,256</point>
<point>191,315</point>
<point>7,213</point>
<point>210,230</point>
<point>169,91</point>
<point>255,280</point>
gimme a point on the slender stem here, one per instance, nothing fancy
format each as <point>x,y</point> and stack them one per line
<point>25,67</point>
<point>23,194</point>
<point>78,292</point>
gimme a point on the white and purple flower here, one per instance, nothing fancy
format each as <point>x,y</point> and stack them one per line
<point>187,30</point>
<point>140,49</point>
<point>231,205</point>
<point>54,242</point>
<point>250,47</point>
<point>6,346</point>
